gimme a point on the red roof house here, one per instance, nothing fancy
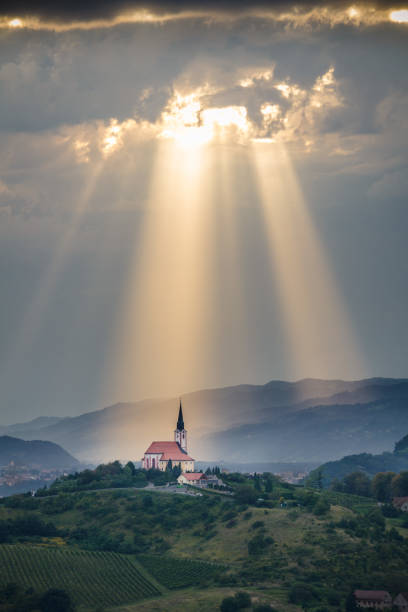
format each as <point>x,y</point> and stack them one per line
<point>401,503</point>
<point>377,600</point>
<point>193,478</point>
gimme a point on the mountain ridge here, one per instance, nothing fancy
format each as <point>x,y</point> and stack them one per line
<point>35,454</point>
<point>279,421</point>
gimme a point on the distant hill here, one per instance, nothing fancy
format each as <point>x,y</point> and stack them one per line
<point>35,454</point>
<point>305,421</point>
<point>371,465</point>
<point>364,462</point>
<point>34,425</point>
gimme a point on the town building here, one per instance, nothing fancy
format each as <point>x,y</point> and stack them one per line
<point>193,478</point>
<point>160,455</point>
<point>401,602</point>
<point>401,503</point>
<point>214,481</point>
<point>376,600</point>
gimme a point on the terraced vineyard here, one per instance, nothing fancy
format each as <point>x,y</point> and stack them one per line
<point>179,573</point>
<point>91,578</point>
<point>356,503</point>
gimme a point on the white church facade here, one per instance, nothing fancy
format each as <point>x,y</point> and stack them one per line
<point>158,455</point>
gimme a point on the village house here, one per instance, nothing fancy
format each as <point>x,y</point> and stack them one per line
<point>401,602</point>
<point>401,503</point>
<point>214,481</point>
<point>376,600</point>
<point>159,454</point>
<point>193,478</point>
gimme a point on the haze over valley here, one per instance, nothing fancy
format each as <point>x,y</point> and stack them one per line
<point>310,420</point>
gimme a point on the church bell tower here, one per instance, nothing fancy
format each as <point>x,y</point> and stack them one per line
<point>180,434</point>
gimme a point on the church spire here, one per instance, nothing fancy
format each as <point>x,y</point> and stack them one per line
<point>180,420</point>
<point>180,434</point>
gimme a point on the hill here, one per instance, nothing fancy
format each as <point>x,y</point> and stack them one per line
<point>286,546</point>
<point>308,420</point>
<point>364,462</point>
<point>35,454</point>
<point>367,463</point>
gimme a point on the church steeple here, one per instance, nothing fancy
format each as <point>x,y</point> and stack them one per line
<point>180,434</point>
<point>180,420</point>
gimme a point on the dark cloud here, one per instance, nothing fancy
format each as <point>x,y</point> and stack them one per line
<point>106,9</point>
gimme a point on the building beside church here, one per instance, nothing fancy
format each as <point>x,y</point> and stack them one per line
<point>158,455</point>
<point>193,478</point>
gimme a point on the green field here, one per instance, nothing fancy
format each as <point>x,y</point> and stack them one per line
<point>91,578</point>
<point>179,573</point>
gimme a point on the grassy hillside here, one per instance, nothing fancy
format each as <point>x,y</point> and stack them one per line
<point>287,546</point>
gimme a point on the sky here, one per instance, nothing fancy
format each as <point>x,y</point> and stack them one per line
<point>199,194</point>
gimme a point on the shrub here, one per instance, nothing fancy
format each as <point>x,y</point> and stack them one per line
<point>243,600</point>
<point>321,507</point>
<point>246,494</point>
<point>258,544</point>
<point>56,600</point>
<point>229,604</point>
<point>258,525</point>
<point>301,594</point>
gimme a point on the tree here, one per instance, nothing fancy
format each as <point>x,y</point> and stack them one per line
<point>301,594</point>
<point>268,484</point>
<point>401,447</point>
<point>351,603</point>
<point>243,600</point>
<point>258,544</point>
<point>257,483</point>
<point>357,483</point>
<point>321,507</point>
<point>169,466</point>
<point>56,600</point>
<point>176,471</point>
<point>246,494</point>
<point>399,485</point>
<point>381,486</point>
<point>131,466</point>
<point>229,604</point>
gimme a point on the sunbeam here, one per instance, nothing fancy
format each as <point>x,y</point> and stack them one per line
<point>316,322</point>
<point>166,305</point>
<point>36,311</point>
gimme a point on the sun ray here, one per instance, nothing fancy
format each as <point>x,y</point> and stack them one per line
<point>317,324</point>
<point>166,305</point>
<point>33,317</point>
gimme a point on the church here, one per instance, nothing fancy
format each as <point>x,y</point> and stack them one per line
<point>159,454</point>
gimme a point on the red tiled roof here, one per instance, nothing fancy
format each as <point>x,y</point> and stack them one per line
<point>399,501</point>
<point>372,595</point>
<point>168,450</point>
<point>194,476</point>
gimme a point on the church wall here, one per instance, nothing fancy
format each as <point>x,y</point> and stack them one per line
<point>186,466</point>
<point>148,461</point>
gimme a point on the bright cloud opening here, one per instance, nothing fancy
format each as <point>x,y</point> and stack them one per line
<point>399,16</point>
<point>16,23</point>
<point>188,123</point>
